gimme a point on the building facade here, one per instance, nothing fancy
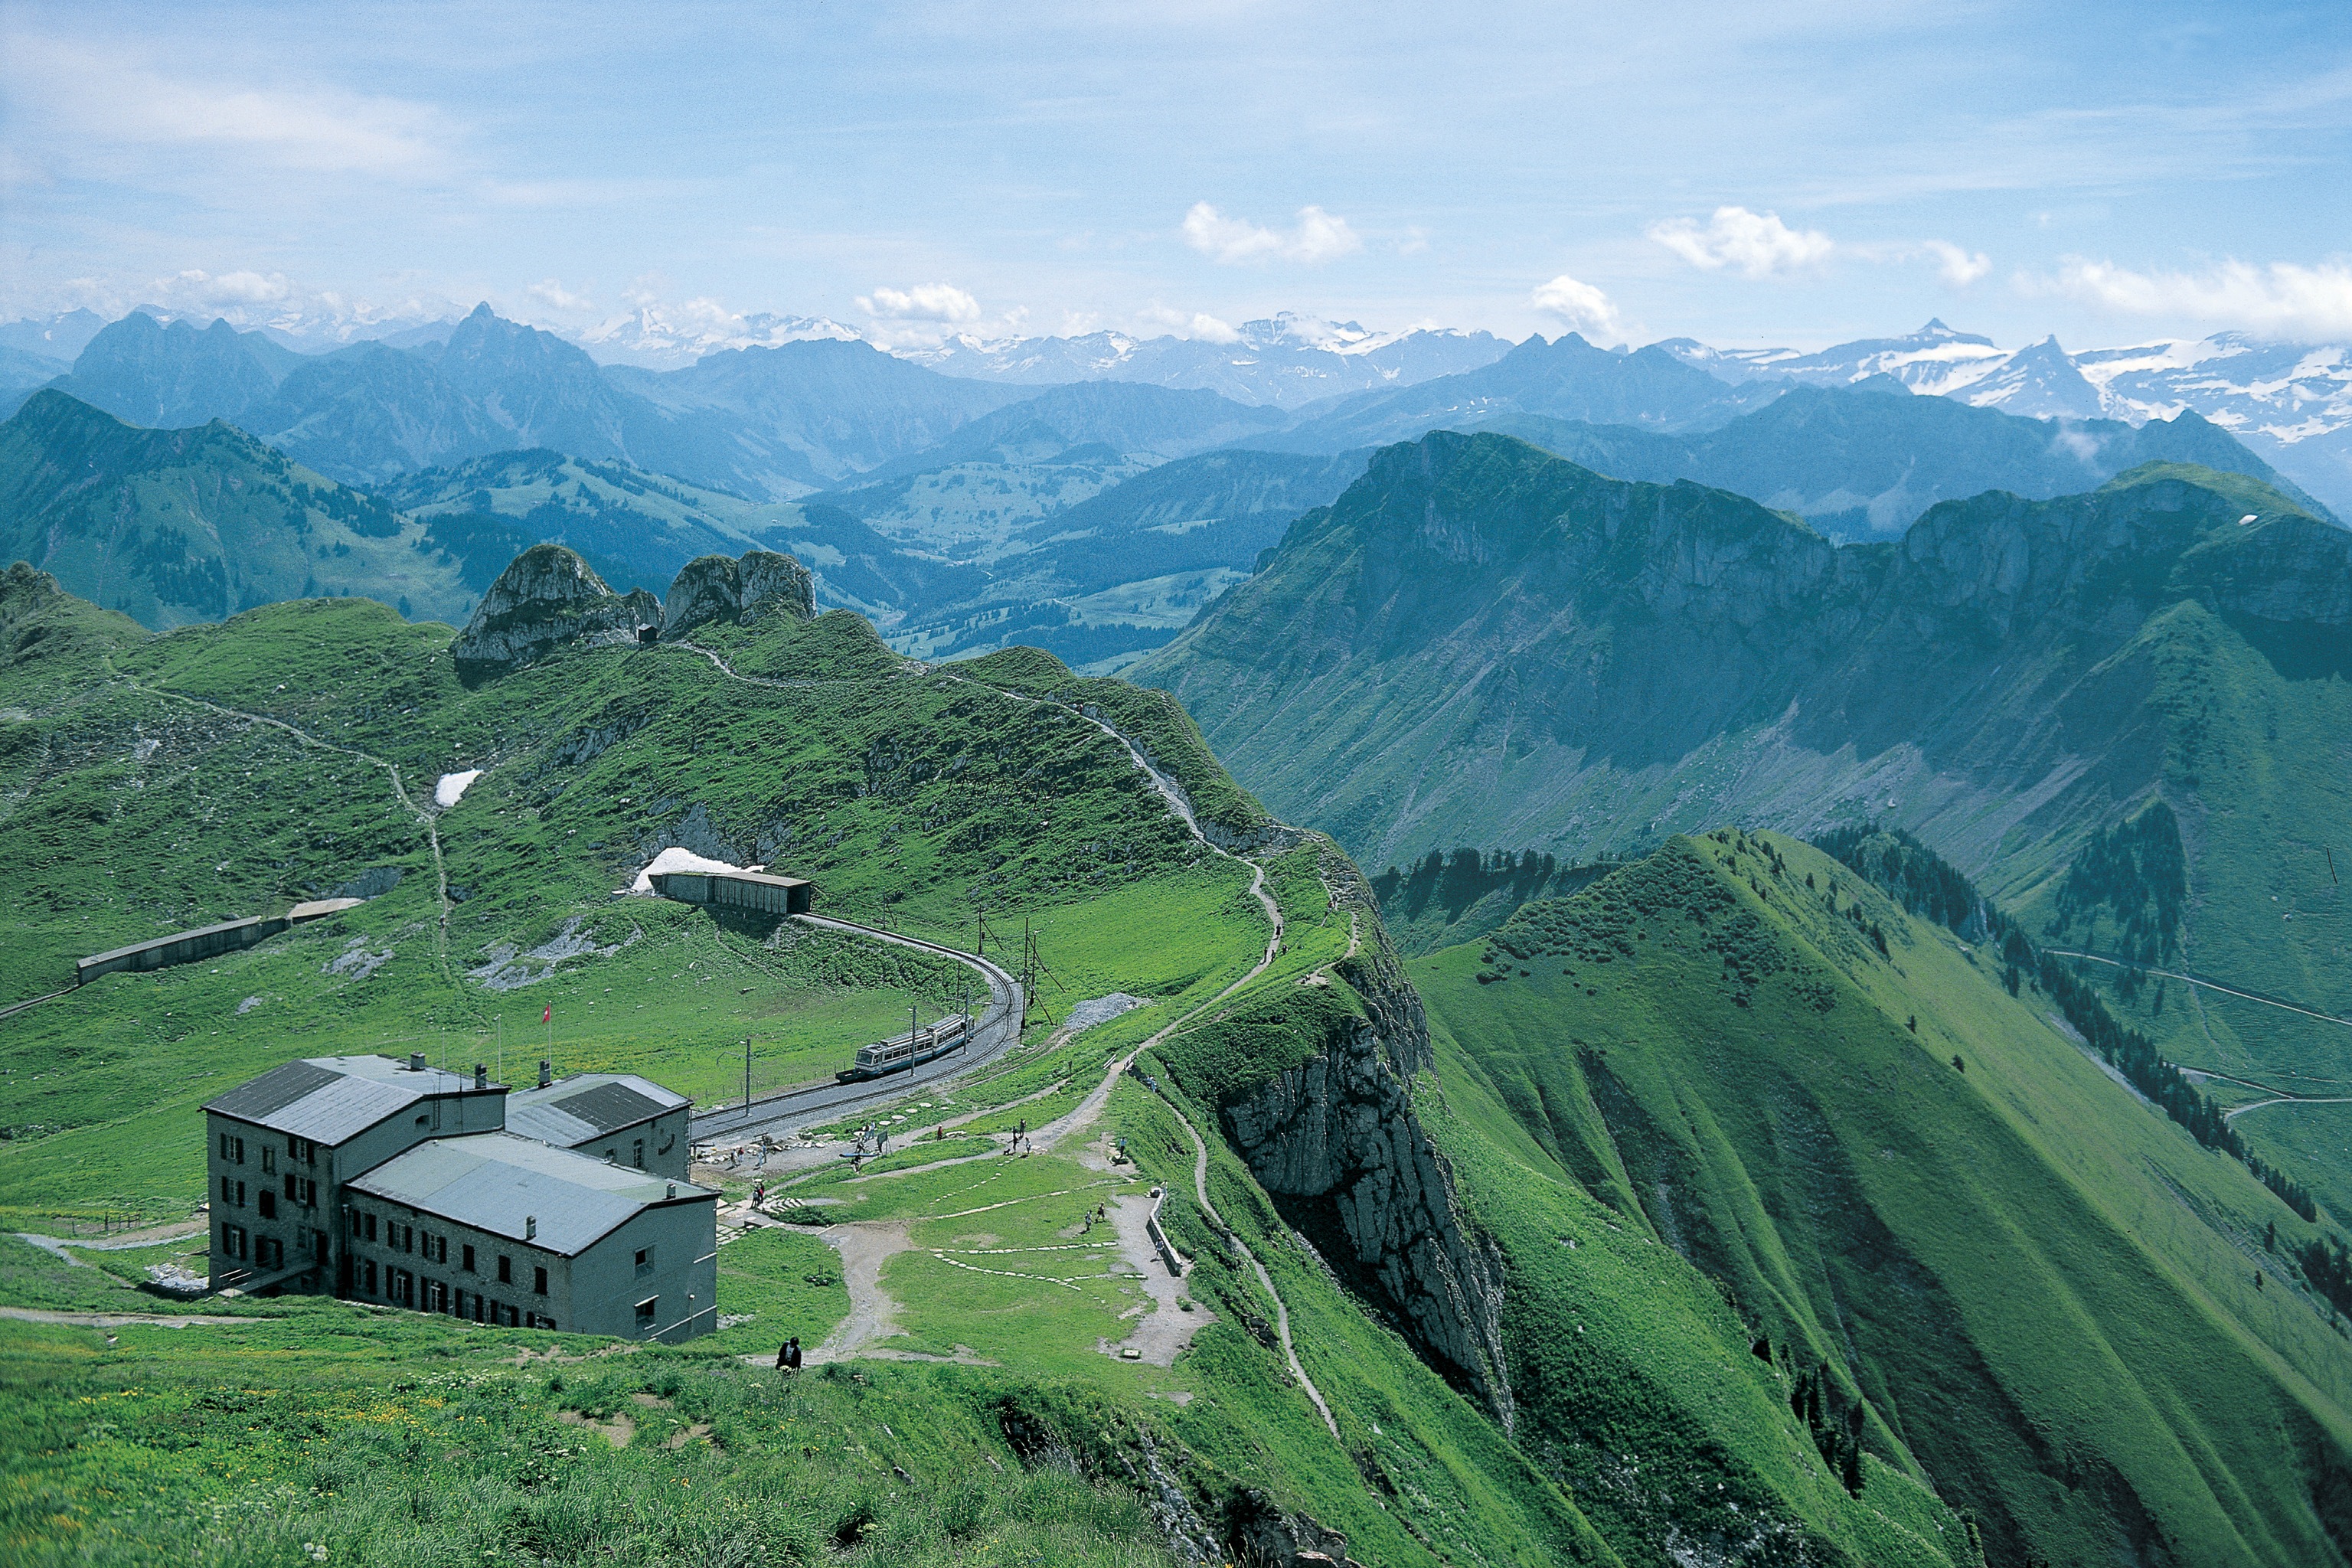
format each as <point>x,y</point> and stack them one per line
<point>381,1181</point>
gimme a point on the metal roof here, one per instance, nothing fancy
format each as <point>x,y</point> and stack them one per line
<point>493,1181</point>
<point>171,937</point>
<point>329,1099</point>
<point>593,1105</point>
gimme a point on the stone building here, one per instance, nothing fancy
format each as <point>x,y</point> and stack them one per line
<point>585,1195</point>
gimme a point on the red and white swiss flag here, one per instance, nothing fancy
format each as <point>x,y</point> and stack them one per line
<point>548,1016</point>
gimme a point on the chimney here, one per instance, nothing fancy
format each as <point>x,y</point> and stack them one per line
<point>531,1227</point>
<point>546,1072</point>
<point>673,1189</point>
<point>416,1061</point>
<point>481,1076</point>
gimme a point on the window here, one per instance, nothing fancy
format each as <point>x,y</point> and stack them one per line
<point>232,1241</point>
<point>309,1193</point>
<point>268,1203</point>
<point>646,1312</point>
<point>468,1262</point>
<point>505,1270</point>
<point>440,1249</point>
<point>645,1261</point>
<point>228,1191</point>
<point>240,1194</point>
<point>407,1238</point>
<point>638,1156</point>
<point>268,1161</point>
<point>437,1296</point>
<point>367,1276</point>
<point>292,1186</point>
<point>371,1228</point>
<point>538,1280</point>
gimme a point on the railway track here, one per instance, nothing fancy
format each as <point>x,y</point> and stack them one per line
<point>996,1031</point>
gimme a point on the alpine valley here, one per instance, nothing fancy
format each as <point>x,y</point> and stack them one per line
<point>1662,958</point>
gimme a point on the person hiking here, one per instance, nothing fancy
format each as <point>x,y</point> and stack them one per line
<point>793,1354</point>
<point>784,1356</point>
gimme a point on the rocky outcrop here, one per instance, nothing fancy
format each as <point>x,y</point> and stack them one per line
<point>776,584</point>
<point>1340,1132</point>
<point>546,598</point>
<point>762,585</point>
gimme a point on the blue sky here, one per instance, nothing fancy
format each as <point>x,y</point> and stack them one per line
<point>1737,172</point>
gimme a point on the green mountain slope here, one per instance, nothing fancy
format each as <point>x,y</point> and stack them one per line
<point>175,526</point>
<point>1481,644</point>
<point>223,768</point>
<point>2006,1270</point>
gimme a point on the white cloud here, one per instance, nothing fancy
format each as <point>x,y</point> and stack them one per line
<point>942,302</point>
<point>1320,237</point>
<point>2279,300</point>
<point>99,97</point>
<point>552,294</point>
<point>1757,244</point>
<point>1955,265</point>
<point>195,290</point>
<point>1198,325</point>
<point>1582,307</point>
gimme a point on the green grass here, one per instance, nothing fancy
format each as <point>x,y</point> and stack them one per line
<point>2040,1291</point>
<point>780,1283</point>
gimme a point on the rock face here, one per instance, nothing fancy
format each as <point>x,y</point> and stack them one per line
<point>1340,1132</point>
<point>548,596</point>
<point>762,585</point>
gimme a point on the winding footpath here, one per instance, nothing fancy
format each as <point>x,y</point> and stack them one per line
<point>1084,1115</point>
<point>425,818</point>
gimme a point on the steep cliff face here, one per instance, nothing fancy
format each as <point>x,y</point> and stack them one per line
<point>547,597</point>
<point>762,585</point>
<point>1337,1140</point>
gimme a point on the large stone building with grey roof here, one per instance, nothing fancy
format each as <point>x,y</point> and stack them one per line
<point>377,1179</point>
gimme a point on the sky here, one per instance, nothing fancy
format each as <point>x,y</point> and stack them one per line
<point>1745,174</point>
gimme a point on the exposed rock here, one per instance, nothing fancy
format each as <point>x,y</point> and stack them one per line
<point>776,584</point>
<point>546,597</point>
<point>762,585</point>
<point>1261,1531</point>
<point>1341,1129</point>
<point>706,588</point>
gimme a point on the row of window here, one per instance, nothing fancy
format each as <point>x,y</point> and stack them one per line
<point>403,1288</point>
<point>269,1251</point>
<point>299,1152</point>
<point>299,1190</point>
<point>435,1249</point>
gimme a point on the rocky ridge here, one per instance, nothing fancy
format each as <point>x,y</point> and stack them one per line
<point>1340,1132</point>
<point>548,596</point>
<point>761,585</point>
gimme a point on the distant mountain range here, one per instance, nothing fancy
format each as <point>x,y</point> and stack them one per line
<point>1481,644</point>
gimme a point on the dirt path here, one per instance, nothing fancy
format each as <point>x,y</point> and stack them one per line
<point>1281,1311</point>
<point>1083,1116</point>
<point>1164,1328</point>
<point>426,820</point>
<point>864,1247</point>
<point>118,1320</point>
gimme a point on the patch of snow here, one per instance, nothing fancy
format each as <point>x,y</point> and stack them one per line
<point>247,1005</point>
<point>675,859</point>
<point>453,786</point>
<point>1102,1010</point>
